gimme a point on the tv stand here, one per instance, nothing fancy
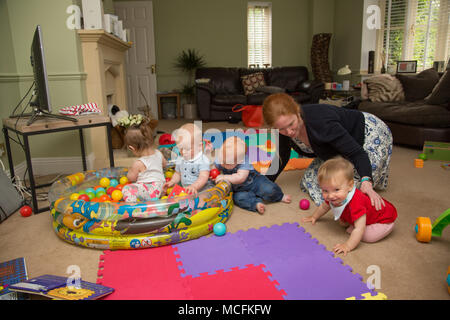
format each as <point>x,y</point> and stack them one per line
<point>37,113</point>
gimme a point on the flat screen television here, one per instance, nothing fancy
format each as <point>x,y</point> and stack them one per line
<point>41,103</point>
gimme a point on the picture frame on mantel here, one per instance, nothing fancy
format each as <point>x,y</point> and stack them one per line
<point>409,66</point>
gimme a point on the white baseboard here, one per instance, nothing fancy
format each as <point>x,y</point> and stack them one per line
<point>61,165</point>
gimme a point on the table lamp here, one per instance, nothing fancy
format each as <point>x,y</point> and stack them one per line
<point>343,72</point>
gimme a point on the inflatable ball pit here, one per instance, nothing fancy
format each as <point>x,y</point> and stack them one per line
<point>120,225</point>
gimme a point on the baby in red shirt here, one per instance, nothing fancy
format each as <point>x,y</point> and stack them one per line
<point>352,207</point>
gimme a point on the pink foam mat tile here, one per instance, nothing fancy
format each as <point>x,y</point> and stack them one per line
<point>249,283</point>
<point>144,274</point>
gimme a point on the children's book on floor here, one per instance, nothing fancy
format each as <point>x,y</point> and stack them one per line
<point>62,288</point>
<point>11,272</point>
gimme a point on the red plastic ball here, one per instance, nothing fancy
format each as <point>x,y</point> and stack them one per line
<point>26,211</point>
<point>214,173</point>
<point>84,197</point>
<point>166,138</point>
<point>110,190</point>
<point>304,204</point>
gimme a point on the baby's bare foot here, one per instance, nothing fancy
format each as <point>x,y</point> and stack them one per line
<point>286,198</point>
<point>260,207</point>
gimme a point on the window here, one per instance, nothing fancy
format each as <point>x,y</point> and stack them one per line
<point>259,34</point>
<point>414,30</point>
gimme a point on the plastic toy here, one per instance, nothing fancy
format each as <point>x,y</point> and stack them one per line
<point>26,211</point>
<point>304,204</point>
<point>423,156</point>
<point>418,163</point>
<point>166,138</point>
<point>214,173</point>
<point>448,279</point>
<point>425,230</point>
<point>112,224</point>
<point>176,190</point>
<point>220,229</point>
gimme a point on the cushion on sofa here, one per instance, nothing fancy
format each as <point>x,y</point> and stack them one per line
<point>252,81</point>
<point>417,87</point>
<point>411,113</point>
<point>441,91</point>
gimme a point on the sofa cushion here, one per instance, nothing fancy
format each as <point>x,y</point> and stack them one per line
<point>270,89</point>
<point>252,81</point>
<point>289,78</point>
<point>412,113</point>
<point>441,91</point>
<point>229,100</point>
<point>417,87</point>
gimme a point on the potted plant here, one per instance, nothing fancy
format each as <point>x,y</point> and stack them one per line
<point>188,61</point>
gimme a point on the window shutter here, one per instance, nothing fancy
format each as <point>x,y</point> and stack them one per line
<point>415,30</point>
<point>259,33</point>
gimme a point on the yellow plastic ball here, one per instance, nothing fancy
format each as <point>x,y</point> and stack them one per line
<point>104,182</point>
<point>169,190</point>
<point>168,174</point>
<point>74,196</point>
<point>123,180</point>
<point>116,195</point>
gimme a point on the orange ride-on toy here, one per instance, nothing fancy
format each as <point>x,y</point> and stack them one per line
<point>425,230</point>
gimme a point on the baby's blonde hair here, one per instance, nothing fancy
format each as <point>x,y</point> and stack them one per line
<point>188,132</point>
<point>331,167</point>
<point>232,151</point>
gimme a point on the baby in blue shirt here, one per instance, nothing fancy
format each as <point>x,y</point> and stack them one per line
<point>192,167</point>
<point>250,188</point>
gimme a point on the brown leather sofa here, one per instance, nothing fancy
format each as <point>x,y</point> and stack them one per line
<point>224,89</point>
<point>412,122</point>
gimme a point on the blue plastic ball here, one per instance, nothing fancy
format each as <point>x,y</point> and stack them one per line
<point>220,229</point>
<point>113,183</point>
<point>90,190</point>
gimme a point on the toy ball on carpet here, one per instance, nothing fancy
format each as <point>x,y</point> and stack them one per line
<point>304,204</point>
<point>220,229</point>
<point>26,211</point>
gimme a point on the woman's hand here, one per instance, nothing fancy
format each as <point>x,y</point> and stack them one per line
<point>375,198</point>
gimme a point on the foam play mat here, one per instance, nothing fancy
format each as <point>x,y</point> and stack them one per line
<point>281,262</point>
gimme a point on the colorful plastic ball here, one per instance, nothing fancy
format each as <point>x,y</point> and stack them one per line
<point>123,180</point>
<point>220,229</point>
<point>113,182</point>
<point>26,211</point>
<point>81,192</point>
<point>119,187</point>
<point>74,196</point>
<point>168,174</point>
<point>166,138</point>
<point>104,198</point>
<point>95,199</point>
<point>91,195</point>
<point>100,189</point>
<point>110,190</point>
<point>84,197</point>
<point>214,173</point>
<point>104,182</point>
<point>98,194</point>
<point>90,190</point>
<point>304,204</point>
<point>117,195</point>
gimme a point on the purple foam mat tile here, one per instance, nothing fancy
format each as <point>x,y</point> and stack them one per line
<point>317,277</point>
<point>208,254</point>
<point>279,239</point>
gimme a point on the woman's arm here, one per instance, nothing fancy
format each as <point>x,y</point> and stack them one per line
<point>281,158</point>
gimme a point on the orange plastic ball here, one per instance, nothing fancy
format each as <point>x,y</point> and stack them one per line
<point>104,198</point>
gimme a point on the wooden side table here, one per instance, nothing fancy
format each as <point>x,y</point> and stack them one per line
<point>168,95</point>
<point>49,125</point>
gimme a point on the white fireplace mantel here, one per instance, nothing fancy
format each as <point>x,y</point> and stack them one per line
<point>104,64</point>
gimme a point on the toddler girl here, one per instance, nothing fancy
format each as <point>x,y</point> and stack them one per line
<point>146,173</point>
<point>250,188</point>
<point>351,206</point>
